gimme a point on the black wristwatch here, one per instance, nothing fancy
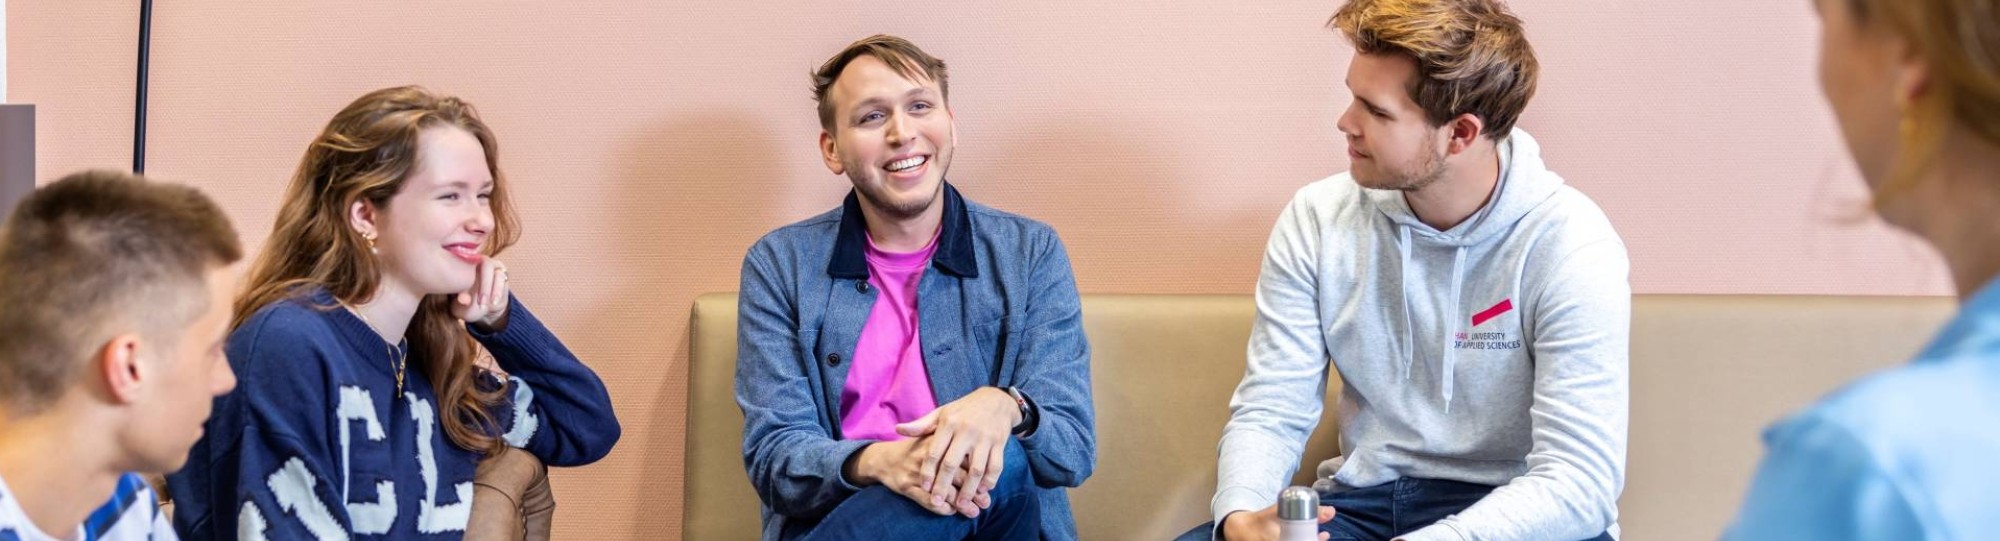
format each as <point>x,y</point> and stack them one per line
<point>1027,423</point>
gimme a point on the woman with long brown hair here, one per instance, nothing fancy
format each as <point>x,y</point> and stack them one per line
<point>362,408</point>
<point>1908,453</point>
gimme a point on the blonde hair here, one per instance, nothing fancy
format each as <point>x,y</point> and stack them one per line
<point>1472,55</point>
<point>1959,41</point>
<point>901,55</point>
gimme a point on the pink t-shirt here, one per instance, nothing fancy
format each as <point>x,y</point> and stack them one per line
<point>887,383</point>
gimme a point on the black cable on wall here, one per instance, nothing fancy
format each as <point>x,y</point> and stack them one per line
<point>139,108</point>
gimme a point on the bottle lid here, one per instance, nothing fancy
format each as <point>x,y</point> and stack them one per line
<point>1298,503</point>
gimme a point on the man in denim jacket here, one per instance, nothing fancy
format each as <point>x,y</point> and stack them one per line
<point>911,365</point>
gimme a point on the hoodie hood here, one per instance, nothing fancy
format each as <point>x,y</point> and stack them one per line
<point>1525,183</point>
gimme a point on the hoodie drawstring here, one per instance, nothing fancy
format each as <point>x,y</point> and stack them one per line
<point>1409,322</point>
<point>1457,284</point>
<point>1451,316</point>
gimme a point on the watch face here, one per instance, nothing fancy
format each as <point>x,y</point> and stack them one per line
<point>1026,412</point>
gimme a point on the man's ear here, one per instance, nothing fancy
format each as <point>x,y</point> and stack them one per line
<point>117,362</point>
<point>831,154</point>
<point>1462,132</point>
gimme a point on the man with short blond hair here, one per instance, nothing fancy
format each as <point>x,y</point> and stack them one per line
<point>1477,309</point>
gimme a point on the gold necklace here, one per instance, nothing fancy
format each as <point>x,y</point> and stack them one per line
<point>398,364</point>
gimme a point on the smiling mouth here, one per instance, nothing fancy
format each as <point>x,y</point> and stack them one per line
<point>907,164</point>
<point>468,253</point>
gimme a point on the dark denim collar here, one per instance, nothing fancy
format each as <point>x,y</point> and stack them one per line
<point>954,249</point>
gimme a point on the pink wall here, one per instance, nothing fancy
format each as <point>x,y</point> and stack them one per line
<point>653,141</point>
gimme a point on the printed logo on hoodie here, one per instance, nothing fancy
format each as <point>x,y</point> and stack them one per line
<point>1492,339</point>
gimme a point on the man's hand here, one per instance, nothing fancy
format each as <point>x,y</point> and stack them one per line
<point>895,464</point>
<point>1262,524</point>
<point>966,448</point>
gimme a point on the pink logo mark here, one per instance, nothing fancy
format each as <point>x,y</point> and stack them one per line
<point>1490,313</point>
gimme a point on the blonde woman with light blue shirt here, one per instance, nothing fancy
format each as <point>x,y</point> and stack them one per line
<point>1913,452</point>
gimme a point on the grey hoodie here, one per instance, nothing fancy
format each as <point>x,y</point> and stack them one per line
<point>1492,353</point>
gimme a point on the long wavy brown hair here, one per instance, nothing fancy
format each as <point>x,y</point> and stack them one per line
<point>366,153</point>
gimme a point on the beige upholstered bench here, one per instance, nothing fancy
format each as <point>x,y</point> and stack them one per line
<point>1708,372</point>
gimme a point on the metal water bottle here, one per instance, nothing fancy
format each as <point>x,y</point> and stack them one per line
<point>1298,514</point>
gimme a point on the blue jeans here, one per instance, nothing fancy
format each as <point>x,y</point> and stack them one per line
<point>1384,511</point>
<point>880,513</point>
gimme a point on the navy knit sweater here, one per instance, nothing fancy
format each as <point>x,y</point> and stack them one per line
<point>315,443</point>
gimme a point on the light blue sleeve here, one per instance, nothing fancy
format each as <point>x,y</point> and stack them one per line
<point>1820,481</point>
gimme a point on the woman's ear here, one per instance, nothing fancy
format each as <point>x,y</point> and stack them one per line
<point>361,217</point>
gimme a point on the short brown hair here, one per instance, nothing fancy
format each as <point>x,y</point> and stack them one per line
<point>93,255</point>
<point>1472,55</point>
<point>901,55</point>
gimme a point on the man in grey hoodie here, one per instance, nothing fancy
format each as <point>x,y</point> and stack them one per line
<point>1476,307</point>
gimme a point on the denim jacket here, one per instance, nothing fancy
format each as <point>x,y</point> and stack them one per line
<point>998,307</point>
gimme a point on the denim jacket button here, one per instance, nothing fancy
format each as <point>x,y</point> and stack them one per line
<point>861,287</point>
<point>833,359</point>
